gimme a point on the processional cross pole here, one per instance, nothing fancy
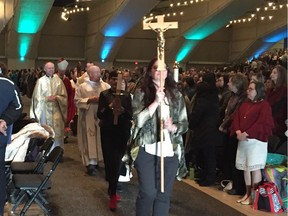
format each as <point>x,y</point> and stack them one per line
<point>160,27</point>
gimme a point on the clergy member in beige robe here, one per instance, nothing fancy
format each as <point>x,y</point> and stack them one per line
<point>49,103</point>
<point>88,131</point>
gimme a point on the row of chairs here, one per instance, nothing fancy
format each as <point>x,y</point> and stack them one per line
<point>29,180</point>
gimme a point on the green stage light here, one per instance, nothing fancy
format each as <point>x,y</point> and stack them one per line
<point>24,44</point>
<point>30,15</point>
<point>186,49</point>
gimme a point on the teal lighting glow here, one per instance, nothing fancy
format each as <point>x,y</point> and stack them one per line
<point>207,27</point>
<point>22,58</point>
<point>107,45</point>
<point>30,15</point>
<point>24,44</point>
<point>186,49</point>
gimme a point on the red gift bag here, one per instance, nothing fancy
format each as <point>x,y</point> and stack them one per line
<point>267,198</point>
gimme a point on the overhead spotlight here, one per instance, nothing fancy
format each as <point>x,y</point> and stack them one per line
<point>257,9</point>
<point>280,6</point>
<point>274,7</point>
<point>235,21</point>
<point>244,20</point>
<point>171,5</point>
<point>64,16</point>
<point>252,15</point>
<point>181,13</point>
<point>270,4</point>
<point>185,3</point>
<point>227,26</point>
<point>178,4</point>
<point>262,18</point>
<point>87,8</point>
<point>270,17</point>
<point>249,19</point>
<point>265,8</point>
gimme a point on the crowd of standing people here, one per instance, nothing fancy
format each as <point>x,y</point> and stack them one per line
<point>214,121</point>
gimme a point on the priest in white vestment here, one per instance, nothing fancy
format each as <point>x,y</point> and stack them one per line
<point>49,103</point>
<point>88,131</point>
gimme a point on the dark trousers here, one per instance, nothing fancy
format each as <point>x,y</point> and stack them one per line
<point>230,171</point>
<point>113,142</point>
<point>150,197</point>
<point>207,160</point>
<point>3,195</point>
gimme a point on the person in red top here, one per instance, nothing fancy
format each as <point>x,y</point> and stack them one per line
<point>253,124</point>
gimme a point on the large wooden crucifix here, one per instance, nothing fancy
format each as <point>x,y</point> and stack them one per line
<point>160,27</point>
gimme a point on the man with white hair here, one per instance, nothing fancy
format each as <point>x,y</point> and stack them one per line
<point>88,133</point>
<point>49,103</point>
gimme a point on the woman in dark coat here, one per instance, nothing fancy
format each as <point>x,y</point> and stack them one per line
<point>203,121</point>
<point>277,98</point>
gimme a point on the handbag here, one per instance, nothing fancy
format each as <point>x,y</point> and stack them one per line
<point>267,198</point>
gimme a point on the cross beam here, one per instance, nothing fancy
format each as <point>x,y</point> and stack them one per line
<point>160,27</point>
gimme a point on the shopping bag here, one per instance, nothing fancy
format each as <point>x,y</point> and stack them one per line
<point>267,198</point>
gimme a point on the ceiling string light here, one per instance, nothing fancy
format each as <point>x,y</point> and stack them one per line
<point>177,5</point>
<point>266,8</point>
<point>73,8</point>
<point>185,3</point>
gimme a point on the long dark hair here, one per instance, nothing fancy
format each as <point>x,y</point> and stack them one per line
<point>260,89</point>
<point>282,77</point>
<point>148,86</point>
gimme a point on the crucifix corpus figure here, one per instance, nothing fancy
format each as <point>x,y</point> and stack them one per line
<point>160,27</point>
